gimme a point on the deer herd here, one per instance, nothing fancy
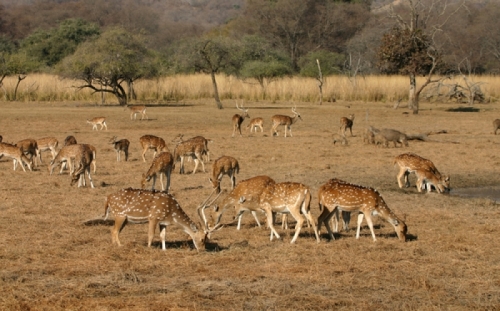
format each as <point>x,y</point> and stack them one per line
<point>336,198</point>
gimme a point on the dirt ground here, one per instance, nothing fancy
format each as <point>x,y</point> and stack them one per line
<point>51,260</point>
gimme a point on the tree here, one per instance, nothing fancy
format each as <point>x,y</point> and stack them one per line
<point>319,63</point>
<point>412,46</point>
<point>104,64</point>
<point>211,54</point>
<point>50,47</point>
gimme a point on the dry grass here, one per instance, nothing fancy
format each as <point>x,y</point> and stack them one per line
<point>182,88</point>
<point>51,260</point>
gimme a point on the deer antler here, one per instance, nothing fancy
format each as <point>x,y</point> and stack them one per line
<point>201,208</point>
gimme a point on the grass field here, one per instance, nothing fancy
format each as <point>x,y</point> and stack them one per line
<point>51,260</point>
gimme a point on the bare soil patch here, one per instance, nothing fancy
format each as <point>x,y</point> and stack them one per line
<point>51,258</point>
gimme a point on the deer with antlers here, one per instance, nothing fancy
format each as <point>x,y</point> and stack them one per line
<point>134,110</point>
<point>152,142</point>
<point>119,146</point>
<point>15,153</point>
<point>141,206</point>
<point>291,198</point>
<point>162,165</point>
<point>287,121</point>
<point>244,197</point>
<point>337,195</point>
<point>98,121</point>
<point>47,144</point>
<point>426,172</point>
<point>346,123</point>
<point>224,165</point>
<point>239,118</point>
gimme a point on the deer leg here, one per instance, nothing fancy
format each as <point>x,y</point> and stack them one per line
<point>154,182</point>
<point>196,162</point>
<point>233,180</point>
<point>254,214</point>
<point>270,223</point>
<point>143,153</point>
<point>161,181</point>
<point>402,172</point>
<point>284,221</point>
<point>181,170</point>
<point>151,230</point>
<point>346,217</point>
<point>325,217</point>
<point>120,222</point>
<point>90,177</point>
<point>163,236</point>
<point>300,221</point>
<point>360,220</point>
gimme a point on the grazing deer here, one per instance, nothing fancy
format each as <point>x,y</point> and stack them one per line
<point>134,110</point>
<point>120,145</point>
<point>244,197</point>
<point>239,118</point>
<point>256,123</point>
<point>288,197</point>
<point>224,165</point>
<point>30,148</point>
<point>141,206</point>
<point>287,121</point>
<point>98,121</point>
<point>190,148</point>
<point>200,139</point>
<point>70,140</point>
<point>427,173</point>
<point>496,126</point>
<point>342,196</point>
<point>83,159</point>
<point>384,136</point>
<point>346,123</point>
<point>46,144</point>
<point>16,154</point>
<point>66,155</point>
<point>162,165</point>
<point>152,142</point>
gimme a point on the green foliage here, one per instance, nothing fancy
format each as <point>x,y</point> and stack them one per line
<point>117,56</point>
<point>404,51</point>
<point>331,63</point>
<point>50,47</point>
<point>265,71</point>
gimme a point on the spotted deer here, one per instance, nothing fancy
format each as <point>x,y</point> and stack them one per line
<point>244,197</point>
<point>152,142</point>
<point>346,123</point>
<point>83,159</point>
<point>256,123</point>
<point>239,118</point>
<point>70,140</point>
<point>67,155</point>
<point>162,165</point>
<point>337,195</point>
<point>496,126</point>
<point>155,208</point>
<point>427,174</point>
<point>119,146</point>
<point>224,165</point>
<point>47,144</point>
<point>287,197</point>
<point>98,121</point>
<point>190,148</point>
<point>30,148</point>
<point>15,153</point>
<point>199,139</point>
<point>134,110</point>
<point>287,121</point>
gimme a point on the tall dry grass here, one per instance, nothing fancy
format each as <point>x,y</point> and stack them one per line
<point>45,87</point>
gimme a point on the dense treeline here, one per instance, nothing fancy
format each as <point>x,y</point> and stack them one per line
<point>258,39</point>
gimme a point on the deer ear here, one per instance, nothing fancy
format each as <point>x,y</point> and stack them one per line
<point>242,199</point>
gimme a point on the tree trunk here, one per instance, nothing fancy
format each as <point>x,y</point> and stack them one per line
<point>131,92</point>
<point>412,96</point>
<point>19,79</point>
<point>320,83</point>
<point>120,94</point>
<point>216,91</point>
